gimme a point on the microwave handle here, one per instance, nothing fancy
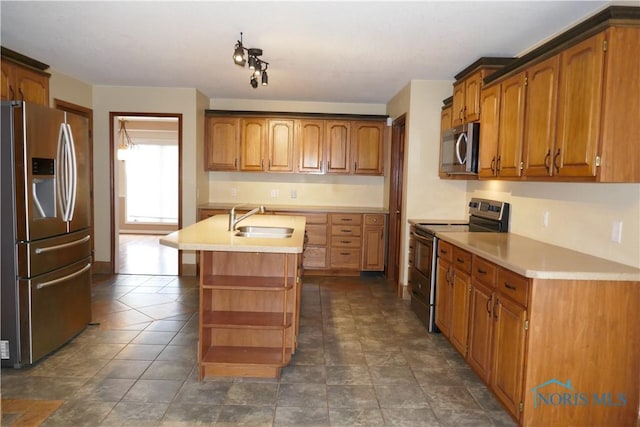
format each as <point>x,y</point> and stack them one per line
<point>458,142</point>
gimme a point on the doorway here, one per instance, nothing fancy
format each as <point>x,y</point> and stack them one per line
<point>146,192</point>
<point>395,201</point>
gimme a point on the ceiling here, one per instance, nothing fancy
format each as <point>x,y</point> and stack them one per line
<point>345,51</point>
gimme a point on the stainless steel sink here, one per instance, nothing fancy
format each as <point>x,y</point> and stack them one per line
<point>264,232</point>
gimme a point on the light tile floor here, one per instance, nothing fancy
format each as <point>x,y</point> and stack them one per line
<point>363,360</point>
<point>143,254</point>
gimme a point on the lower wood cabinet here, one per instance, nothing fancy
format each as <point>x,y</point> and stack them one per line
<point>535,340</point>
<point>373,242</point>
<point>346,242</point>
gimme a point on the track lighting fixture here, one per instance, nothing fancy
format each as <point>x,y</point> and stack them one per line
<point>255,64</point>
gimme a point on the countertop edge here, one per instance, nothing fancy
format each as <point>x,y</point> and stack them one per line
<point>295,208</point>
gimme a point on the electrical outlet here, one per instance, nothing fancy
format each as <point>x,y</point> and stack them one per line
<point>545,219</point>
<point>275,193</point>
<point>616,231</point>
<point>294,193</point>
<point>234,192</point>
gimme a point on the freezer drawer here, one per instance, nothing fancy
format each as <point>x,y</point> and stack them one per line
<point>55,307</point>
<point>40,256</point>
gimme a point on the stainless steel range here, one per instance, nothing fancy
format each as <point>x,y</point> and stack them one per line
<point>484,216</point>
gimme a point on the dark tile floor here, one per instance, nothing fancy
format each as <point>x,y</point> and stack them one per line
<point>363,360</point>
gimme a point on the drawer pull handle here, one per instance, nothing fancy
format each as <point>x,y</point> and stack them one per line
<point>346,231</point>
<point>509,286</point>
<point>345,253</point>
<point>481,271</point>
<point>345,241</point>
<point>346,219</point>
<point>442,251</point>
<point>460,260</point>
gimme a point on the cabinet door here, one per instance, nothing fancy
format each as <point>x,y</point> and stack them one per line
<point>579,108</point>
<point>8,91</point>
<point>31,86</point>
<point>461,287</point>
<point>310,143</point>
<point>338,146</point>
<point>480,330</point>
<point>508,353</point>
<point>489,125</point>
<point>443,298</point>
<point>457,117</point>
<point>222,138</point>
<point>280,143</point>
<point>367,145</point>
<point>445,119</point>
<point>373,248</point>
<point>252,144</point>
<point>511,126</point>
<point>540,118</point>
<point>473,85</point>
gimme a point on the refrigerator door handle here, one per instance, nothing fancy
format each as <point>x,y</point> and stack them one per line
<point>73,181</point>
<point>62,246</point>
<point>63,279</point>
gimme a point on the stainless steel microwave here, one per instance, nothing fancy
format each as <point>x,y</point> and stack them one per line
<point>459,150</point>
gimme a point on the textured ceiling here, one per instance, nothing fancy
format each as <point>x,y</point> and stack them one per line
<point>360,52</point>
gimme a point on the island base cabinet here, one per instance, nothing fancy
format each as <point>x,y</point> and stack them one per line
<point>249,311</point>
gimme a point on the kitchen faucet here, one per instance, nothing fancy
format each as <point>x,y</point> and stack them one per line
<point>232,216</point>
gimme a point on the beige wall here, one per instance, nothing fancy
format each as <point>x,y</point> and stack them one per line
<point>68,89</point>
<point>108,99</point>
<point>311,190</point>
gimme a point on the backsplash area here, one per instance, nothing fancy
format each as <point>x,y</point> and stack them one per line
<point>578,216</point>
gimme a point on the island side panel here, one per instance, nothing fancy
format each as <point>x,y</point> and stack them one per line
<point>583,349</point>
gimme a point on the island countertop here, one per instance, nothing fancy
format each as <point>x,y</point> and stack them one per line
<point>212,234</point>
<point>539,260</point>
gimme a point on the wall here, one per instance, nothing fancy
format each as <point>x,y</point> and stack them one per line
<point>311,190</point>
<point>425,195</point>
<point>580,215</point>
<point>108,99</point>
<point>68,89</point>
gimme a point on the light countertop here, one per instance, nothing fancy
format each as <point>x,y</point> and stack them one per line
<point>295,208</point>
<point>212,235</point>
<point>538,260</point>
<point>438,221</point>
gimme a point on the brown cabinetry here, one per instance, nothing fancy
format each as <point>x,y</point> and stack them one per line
<point>346,243</point>
<point>373,244</point>
<point>222,137</point>
<point>20,82</point>
<point>338,146</point>
<point>280,145</point>
<point>489,131</point>
<point>253,141</point>
<point>443,288</point>
<point>310,143</point>
<point>248,313</point>
<point>466,99</point>
<point>367,147</point>
<point>315,251</point>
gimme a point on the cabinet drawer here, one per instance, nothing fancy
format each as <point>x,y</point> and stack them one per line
<point>345,242</point>
<point>445,250</point>
<point>345,230</point>
<point>316,234</point>
<point>349,219</point>
<point>314,257</point>
<point>513,286</point>
<point>315,218</point>
<point>373,219</point>
<point>345,258</point>
<point>484,271</point>
<point>462,260</point>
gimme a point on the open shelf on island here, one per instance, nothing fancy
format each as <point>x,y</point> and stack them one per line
<point>246,319</point>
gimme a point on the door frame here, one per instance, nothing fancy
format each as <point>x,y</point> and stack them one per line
<point>112,180</point>
<point>88,114</point>
<point>396,177</point>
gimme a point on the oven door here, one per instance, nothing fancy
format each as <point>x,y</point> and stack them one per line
<point>423,255</point>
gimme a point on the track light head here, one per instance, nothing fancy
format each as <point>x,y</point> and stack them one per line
<point>252,62</point>
<point>265,78</point>
<point>238,53</point>
<point>254,82</point>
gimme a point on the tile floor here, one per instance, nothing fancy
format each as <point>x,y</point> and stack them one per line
<point>143,254</point>
<point>363,360</point>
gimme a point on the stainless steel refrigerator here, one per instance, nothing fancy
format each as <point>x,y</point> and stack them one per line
<point>45,230</point>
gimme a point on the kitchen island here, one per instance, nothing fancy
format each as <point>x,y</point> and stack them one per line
<point>249,294</point>
<point>554,333</point>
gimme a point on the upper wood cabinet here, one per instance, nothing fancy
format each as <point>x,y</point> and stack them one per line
<point>466,99</point>
<point>489,128</point>
<point>253,143</point>
<point>23,83</point>
<point>280,145</point>
<point>338,146</point>
<point>367,143</point>
<point>292,144</point>
<point>310,146</point>
<point>222,136</point>
<point>540,120</point>
<point>510,129</point>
